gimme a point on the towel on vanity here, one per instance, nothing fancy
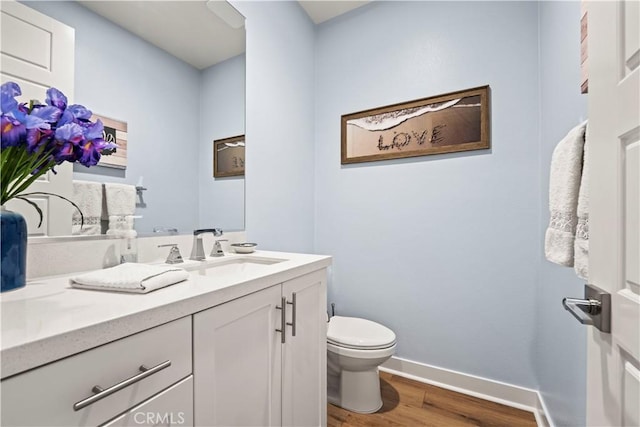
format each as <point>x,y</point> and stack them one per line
<point>88,196</point>
<point>564,185</point>
<point>130,277</point>
<point>581,246</point>
<point>120,200</point>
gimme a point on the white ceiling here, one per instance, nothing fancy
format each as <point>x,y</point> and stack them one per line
<point>186,29</point>
<point>321,11</point>
<point>190,31</point>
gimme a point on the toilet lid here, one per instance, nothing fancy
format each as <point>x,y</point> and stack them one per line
<point>353,332</point>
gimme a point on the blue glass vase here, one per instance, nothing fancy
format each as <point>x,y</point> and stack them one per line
<point>13,249</point>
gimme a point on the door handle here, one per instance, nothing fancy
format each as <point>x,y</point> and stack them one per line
<point>594,309</point>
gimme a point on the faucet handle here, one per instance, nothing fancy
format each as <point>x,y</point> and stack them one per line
<point>174,254</point>
<point>217,248</point>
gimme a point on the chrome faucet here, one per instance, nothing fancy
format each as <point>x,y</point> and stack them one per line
<point>197,251</point>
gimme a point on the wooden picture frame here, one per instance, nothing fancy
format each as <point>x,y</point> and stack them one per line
<point>228,157</point>
<point>452,122</point>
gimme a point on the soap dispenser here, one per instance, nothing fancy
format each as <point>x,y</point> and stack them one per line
<point>128,246</point>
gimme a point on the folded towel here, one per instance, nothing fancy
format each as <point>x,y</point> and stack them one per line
<point>564,184</point>
<point>581,247</point>
<point>120,202</point>
<point>88,196</point>
<point>130,277</point>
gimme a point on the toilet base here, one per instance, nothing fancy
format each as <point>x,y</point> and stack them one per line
<point>359,391</point>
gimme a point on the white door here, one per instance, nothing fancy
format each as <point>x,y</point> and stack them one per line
<point>237,362</point>
<point>613,378</point>
<point>38,53</point>
<point>304,356</point>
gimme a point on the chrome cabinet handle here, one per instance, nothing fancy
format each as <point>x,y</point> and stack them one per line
<point>283,318</point>
<point>293,314</point>
<point>101,393</point>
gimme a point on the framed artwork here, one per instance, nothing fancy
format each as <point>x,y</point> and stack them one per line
<point>228,157</point>
<point>456,121</point>
<point>584,50</point>
<point>114,131</point>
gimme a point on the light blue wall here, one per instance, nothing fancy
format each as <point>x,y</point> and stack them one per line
<point>280,125</point>
<point>442,249</point>
<point>119,75</point>
<point>561,340</point>
<point>221,200</point>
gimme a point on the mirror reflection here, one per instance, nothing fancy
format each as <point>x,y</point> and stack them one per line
<point>168,78</point>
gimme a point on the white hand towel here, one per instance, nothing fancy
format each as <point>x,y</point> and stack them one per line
<point>581,247</point>
<point>88,196</point>
<point>120,203</point>
<point>130,277</point>
<point>564,184</point>
<point>121,199</point>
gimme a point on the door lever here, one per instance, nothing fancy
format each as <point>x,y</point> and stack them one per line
<point>594,309</point>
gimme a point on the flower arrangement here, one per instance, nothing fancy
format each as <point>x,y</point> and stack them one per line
<point>37,137</point>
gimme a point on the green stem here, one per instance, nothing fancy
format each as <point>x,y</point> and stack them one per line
<point>21,175</point>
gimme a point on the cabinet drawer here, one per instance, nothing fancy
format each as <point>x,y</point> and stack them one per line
<point>47,395</point>
<point>172,407</point>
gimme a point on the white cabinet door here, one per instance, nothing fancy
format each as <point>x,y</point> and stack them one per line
<point>171,408</point>
<point>237,362</point>
<point>304,355</point>
<point>38,53</point>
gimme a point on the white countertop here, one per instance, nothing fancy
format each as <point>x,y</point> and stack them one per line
<point>48,319</point>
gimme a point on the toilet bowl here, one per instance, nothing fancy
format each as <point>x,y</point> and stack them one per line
<point>355,349</point>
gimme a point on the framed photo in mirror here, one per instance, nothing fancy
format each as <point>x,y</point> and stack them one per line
<point>228,157</point>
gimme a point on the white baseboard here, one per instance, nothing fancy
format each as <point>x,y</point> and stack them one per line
<point>494,391</point>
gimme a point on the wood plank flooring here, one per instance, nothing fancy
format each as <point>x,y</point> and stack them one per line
<point>408,403</point>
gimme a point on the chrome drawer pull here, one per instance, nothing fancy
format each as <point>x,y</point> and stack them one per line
<point>283,318</point>
<point>101,393</point>
<point>293,315</point>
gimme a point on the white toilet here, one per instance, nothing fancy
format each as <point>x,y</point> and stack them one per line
<point>355,349</point>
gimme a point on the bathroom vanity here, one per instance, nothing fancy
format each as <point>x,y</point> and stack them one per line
<point>241,342</point>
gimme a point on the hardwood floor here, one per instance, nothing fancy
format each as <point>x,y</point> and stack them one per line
<point>411,403</point>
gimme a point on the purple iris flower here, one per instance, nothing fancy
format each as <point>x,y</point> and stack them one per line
<point>13,131</point>
<point>36,138</point>
<point>46,114</point>
<point>94,144</point>
<point>8,92</point>
<point>56,98</point>
<point>80,112</point>
<point>65,152</point>
<point>66,118</point>
<point>71,132</point>
<point>90,153</point>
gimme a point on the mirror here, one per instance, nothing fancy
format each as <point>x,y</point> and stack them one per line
<point>175,99</point>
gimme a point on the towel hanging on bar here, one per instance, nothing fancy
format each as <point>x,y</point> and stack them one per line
<point>564,187</point>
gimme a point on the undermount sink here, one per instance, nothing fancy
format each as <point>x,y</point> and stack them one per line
<point>235,265</point>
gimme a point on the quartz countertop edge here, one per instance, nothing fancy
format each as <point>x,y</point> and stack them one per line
<point>49,320</point>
